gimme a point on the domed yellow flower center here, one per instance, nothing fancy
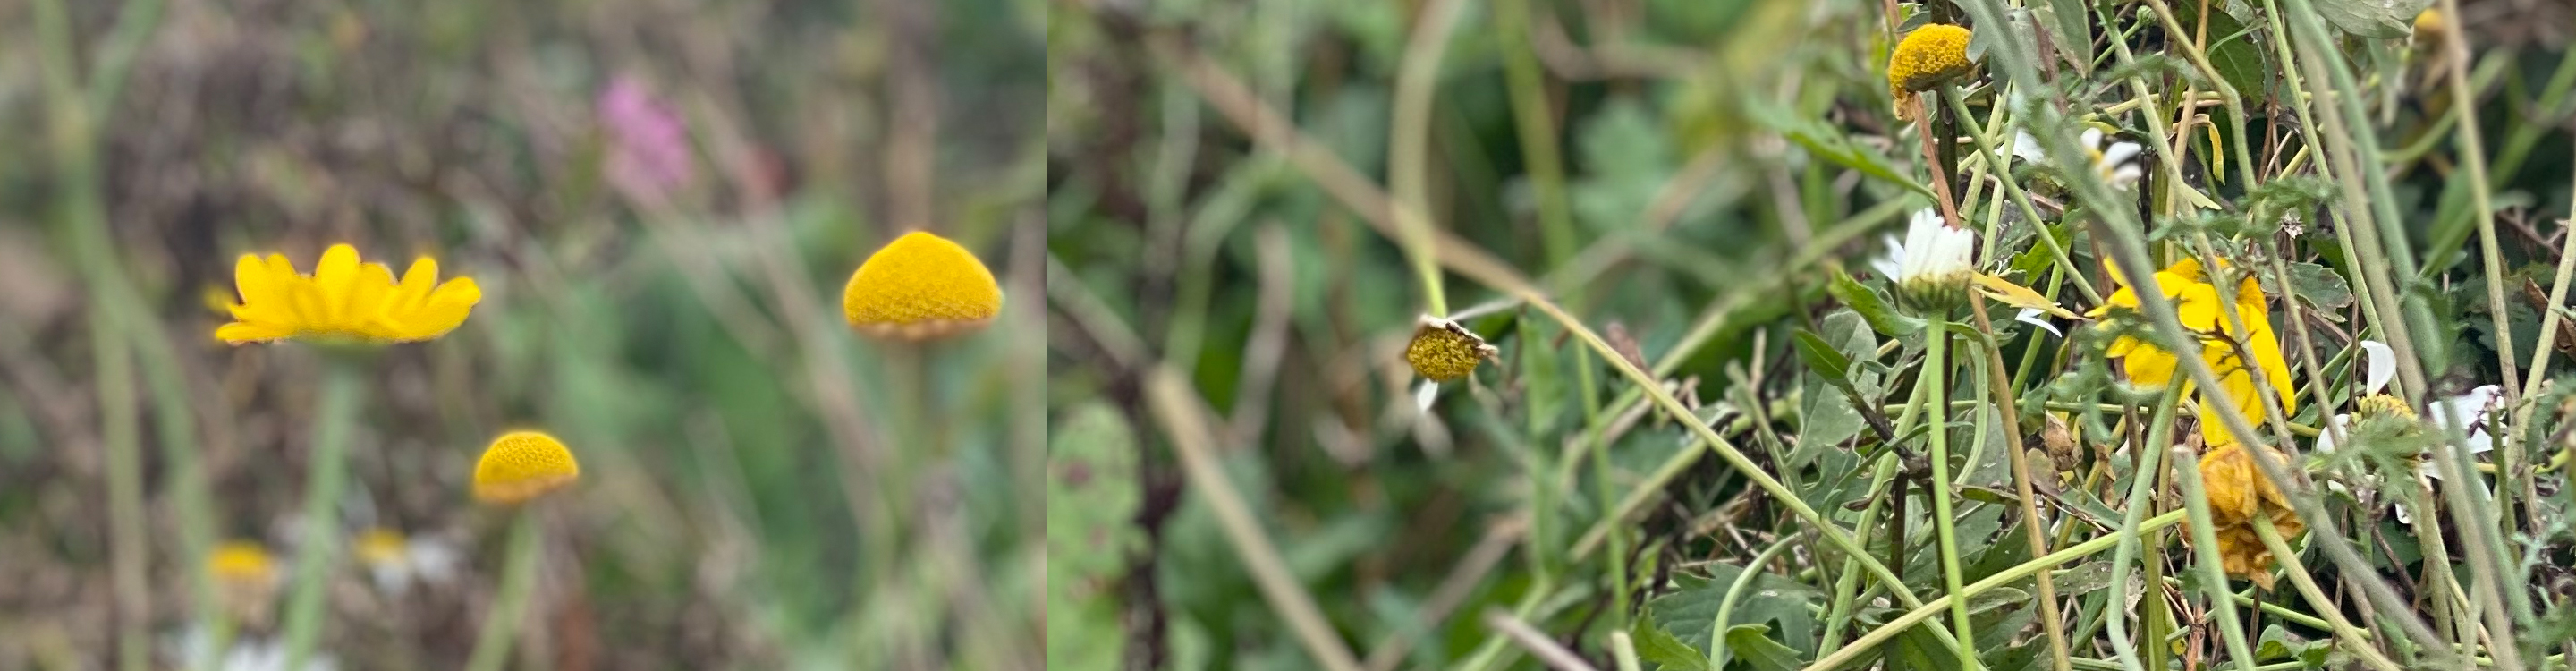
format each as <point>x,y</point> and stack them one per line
<point>2381,405</point>
<point>1443,351</point>
<point>344,300</point>
<point>919,287</point>
<point>1928,57</point>
<point>523,465</point>
<point>242,563</point>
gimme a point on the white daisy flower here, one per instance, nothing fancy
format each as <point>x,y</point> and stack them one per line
<point>1934,264</point>
<point>2468,410</point>
<point>2117,164</point>
<point>397,562</point>
<point>196,645</point>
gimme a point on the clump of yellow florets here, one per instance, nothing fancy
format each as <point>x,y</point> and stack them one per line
<point>1443,351</point>
<point>2237,494</point>
<point>1928,57</point>
<point>523,465</point>
<point>921,287</point>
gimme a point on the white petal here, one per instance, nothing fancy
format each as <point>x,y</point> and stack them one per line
<point>2470,411</point>
<point>2125,175</point>
<point>2026,147</point>
<point>1887,263</point>
<point>2093,139</point>
<point>2383,364</point>
<point>2031,316</point>
<point>2326,439</point>
<point>2120,153</point>
<point>1422,397</point>
<point>2402,517</point>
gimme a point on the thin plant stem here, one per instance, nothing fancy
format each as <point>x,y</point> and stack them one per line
<point>2549,321</point>
<point>2355,640</point>
<point>1537,129</point>
<point>2204,542</point>
<point>1985,148</point>
<point>2473,155</point>
<point>1408,168</point>
<point>510,604</point>
<point>2032,524</point>
<point>1936,373</point>
<point>1918,614</point>
<point>1717,650</point>
<point>318,549</point>
<point>2141,497</point>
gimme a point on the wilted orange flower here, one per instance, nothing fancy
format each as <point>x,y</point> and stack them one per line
<point>523,465</point>
<point>919,287</point>
<point>344,301</point>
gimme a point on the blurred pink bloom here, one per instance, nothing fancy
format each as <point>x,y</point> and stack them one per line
<point>648,148</point>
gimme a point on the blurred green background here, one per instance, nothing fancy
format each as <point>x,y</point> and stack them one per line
<point>762,488</point>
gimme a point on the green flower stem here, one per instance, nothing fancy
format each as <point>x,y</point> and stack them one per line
<point>1881,476</point>
<point>1537,134</point>
<point>1919,614</point>
<point>1408,162</point>
<point>2549,324</point>
<point>2141,497</point>
<point>2204,542</point>
<point>1717,651</point>
<point>510,606</point>
<point>2000,392</point>
<point>318,549</point>
<point>1936,370</point>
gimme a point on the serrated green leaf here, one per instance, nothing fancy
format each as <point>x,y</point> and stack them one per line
<point>1752,645</point>
<point>2320,286</point>
<point>1654,644</point>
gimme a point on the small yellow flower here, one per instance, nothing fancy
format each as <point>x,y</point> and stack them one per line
<point>245,578</point>
<point>344,301</point>
<point>920,287</point>
<point>2198,304</point>
<point>523,465</point>
<point>2428,24</point>
<point>1443,351</point>
<point>1928,57</point>
<point>379,546</point>
<point>241,562</point>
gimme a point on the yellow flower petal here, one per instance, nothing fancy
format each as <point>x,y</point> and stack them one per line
<point>2018,296</point>
<point>413,292</point>
<point>336,275</point>
<point>242,332</point>
<point>523,465</point>
<point>921,286</point>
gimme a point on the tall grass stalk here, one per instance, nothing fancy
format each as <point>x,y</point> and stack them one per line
<point>1417,82</point>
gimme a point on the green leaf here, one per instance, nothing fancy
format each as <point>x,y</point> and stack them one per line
<point>2319,286</point>
<point>1092,458</point>
<point>2074,39</point>
<point>2232,52</point>
<point>2278,643</point>
<point>2381,19</point>
<point>1828,143</point>
<point>1821,358</point>
<point>1654,644</point>
<point>1861,299</point>
<point>1752,645</point>
<point>2085,579</point>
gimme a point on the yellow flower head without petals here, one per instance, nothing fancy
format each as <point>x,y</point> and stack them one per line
<point>1930,56</point>
<point>523,465</point>
<point>344,301</point>
<point>921,287</point>
<point>1443,351</point>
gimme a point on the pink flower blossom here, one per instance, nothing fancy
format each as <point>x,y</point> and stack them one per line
<point>648,147</point>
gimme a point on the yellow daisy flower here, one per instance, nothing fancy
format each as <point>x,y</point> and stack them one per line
<point>2197,303</point>
<point>245,578</point>
<point>344,301</point>
<point>920,287</point>
<point>523,465</point>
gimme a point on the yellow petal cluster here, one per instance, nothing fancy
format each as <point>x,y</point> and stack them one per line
<point>523,465</point>
<point>2199,305</point>
<point>920,287</point>
<point>1444,351</point>
<point>1927,57</point>
<point>379,547</point>
<point>344,300</point>
<point>241,562</point>
<point>2237,491</point>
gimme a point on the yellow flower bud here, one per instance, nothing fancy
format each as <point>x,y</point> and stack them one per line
<point>1443,351</point>
<point>921,287</point>
<point>523,465</point>
<point>1926,58</point>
